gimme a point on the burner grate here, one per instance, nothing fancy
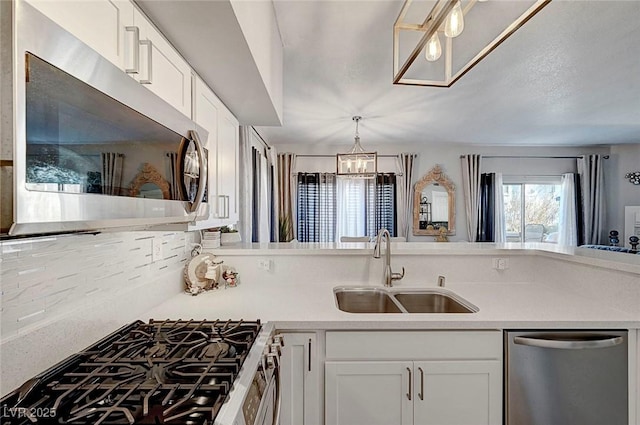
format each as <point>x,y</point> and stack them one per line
<point>160,372</point>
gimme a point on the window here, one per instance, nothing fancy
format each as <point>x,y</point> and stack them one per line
<point>532,209</point>
<point>316,207</point>
<point>329,208</point>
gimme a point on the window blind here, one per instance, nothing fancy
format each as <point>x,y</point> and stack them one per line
<point>316,207</point>
<point>366,206</point>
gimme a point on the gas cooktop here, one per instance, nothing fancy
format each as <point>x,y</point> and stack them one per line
<point>161,372</point>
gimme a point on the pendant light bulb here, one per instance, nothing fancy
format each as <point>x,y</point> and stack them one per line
<point>455,22</point>
<point>433,49</point>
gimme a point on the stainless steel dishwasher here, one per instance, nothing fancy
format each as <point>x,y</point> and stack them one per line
<point>566,378</point>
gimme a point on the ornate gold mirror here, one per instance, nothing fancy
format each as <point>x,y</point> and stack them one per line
<point>434,204</point>
<point>149,183</point>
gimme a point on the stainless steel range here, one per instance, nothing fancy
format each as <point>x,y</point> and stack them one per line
<point>161,372</point>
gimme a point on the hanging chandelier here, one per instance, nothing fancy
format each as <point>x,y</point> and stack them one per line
<point>440,40</point>
<point>357,163</point>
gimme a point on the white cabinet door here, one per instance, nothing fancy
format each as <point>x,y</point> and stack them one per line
<point>228,167</point>
<point>162,69</point>
<point>300,378</point>
<point>368,393</point>
<point>206,112</point>
<point>222,145</point>
<point>458,392</point>
<point>101,24</point>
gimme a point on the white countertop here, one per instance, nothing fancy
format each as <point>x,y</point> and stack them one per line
<point>293,303</point>
<point>607,259</point>
<point>299,306</point>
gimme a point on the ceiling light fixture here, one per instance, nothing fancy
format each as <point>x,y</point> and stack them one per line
<point>471,31</point>
<point>357,163</point>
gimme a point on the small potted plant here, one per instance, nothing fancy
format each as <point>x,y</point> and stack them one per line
<point>229,236</point>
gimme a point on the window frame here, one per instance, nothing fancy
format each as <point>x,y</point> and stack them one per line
<point>371,195</point>
<point>513,180</point>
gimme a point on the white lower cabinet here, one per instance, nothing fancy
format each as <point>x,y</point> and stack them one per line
<point>421,378</point>
<point>457,392</point>
<point>368,393</point>
<point>300,372</point>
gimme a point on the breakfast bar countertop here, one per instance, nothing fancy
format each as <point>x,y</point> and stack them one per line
<point>294,305</point>
<point>303,297</point>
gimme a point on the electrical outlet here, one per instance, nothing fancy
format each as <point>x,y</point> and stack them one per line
<point>500,263</point>
<point>265,264</point>
<point>156,250</point>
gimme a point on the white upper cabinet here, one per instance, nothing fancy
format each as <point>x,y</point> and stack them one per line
<point>119,32</point>
<point>228,166</point>
<point>222,146</point>
<point>235,46</point>
<point>104,25</point>
<point>162,69</point>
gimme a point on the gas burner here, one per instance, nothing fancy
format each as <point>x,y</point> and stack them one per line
<point>161,372</point>
<point>157,350</point>
<point>216,349</point>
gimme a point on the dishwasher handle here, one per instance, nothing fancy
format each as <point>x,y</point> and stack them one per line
<point>575,341</point>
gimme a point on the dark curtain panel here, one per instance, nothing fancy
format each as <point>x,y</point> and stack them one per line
<point>255,216</point>
<point>487,205</point>
<point>590,169</point>
<point>272,209</point>
<point>316,211</point>
<point>381,204</point>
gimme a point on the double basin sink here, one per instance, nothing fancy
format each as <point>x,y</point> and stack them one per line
<point>398,300</point>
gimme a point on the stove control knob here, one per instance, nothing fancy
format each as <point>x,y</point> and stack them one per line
<point>275,350</point>
<point>279,339</point>
<point>273,360</point>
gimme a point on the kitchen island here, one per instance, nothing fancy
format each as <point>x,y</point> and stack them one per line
<point>542,286</point>
<point>513,286</point>
<point>334,359</point>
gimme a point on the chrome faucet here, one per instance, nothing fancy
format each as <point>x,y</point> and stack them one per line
<point>389,275</point>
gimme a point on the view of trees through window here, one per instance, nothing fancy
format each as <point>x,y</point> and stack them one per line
<point>532,210</point>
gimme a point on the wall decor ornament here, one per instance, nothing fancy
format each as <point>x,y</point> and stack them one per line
<point>434,204</point>
<point>633,176</point>
<point>149,181</point>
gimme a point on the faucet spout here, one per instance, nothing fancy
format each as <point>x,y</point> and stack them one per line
<point>389,275</point>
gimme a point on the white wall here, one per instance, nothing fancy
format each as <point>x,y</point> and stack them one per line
<point>449,158</point>
<point>62,293</point>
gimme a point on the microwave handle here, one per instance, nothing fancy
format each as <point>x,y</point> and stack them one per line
<point>202,183</point>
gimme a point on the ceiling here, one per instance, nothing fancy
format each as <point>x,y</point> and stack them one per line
<point>569,77</point>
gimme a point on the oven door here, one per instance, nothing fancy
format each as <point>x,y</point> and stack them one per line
<point>269,411</point>
<point>255,396</point>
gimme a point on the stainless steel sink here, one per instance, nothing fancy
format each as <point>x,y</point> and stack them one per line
<point>396,300</point>
<point>365,300</point>
<point>431,303</point>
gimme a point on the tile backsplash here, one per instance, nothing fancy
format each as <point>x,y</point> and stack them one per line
<point>61,294</point>
<point>43,279</point>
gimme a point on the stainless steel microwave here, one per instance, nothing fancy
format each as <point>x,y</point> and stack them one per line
<point>92,148</point>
